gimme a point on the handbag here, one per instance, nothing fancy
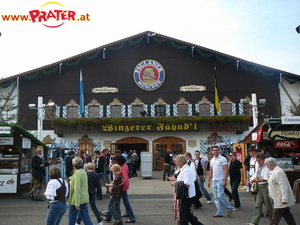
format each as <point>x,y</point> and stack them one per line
<point>254,187</point>
<point>181,190</point>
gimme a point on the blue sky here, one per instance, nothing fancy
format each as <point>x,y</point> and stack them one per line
<point>259,31</point>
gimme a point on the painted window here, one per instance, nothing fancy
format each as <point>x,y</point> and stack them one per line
<point>204,109</point>
<point>160,110</point>
<point>72,112</point>
<point>50,112</point>
<point>226,109</point>
<point>94,111</point>
<point>115,111</point>
<point>182,110</point>
<point>247,109</point>
<point>136,109</point>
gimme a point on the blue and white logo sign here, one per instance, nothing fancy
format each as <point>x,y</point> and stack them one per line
<point>149,75</point>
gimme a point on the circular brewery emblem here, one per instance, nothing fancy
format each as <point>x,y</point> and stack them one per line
<point>149,75</point>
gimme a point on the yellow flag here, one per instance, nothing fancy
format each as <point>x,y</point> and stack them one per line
<point>217,103</point>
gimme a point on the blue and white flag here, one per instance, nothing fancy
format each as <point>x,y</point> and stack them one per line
<point>81,98</point>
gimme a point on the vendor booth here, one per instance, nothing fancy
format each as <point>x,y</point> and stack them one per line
<point>17,146</point>
<point>279,139</point>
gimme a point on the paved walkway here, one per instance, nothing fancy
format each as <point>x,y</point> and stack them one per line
<point>151,201</point>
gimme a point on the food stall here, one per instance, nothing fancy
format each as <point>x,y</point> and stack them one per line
<point>281,140</point>
<point>17,146</point>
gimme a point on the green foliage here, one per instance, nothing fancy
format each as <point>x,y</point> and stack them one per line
<point>148,120</point>
<point>8,113</point>
<point>294,108</point>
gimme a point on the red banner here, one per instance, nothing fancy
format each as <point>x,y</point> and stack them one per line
<point>286,144</point>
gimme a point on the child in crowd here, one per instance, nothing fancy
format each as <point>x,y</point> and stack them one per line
<point>116,194</point>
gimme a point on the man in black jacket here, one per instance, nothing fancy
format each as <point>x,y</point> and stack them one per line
<point>37,166</point>
<point>167,164</point>
<point>99,164</point>
<point>69,166</point>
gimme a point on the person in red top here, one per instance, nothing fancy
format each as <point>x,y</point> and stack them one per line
<point>120,160</point>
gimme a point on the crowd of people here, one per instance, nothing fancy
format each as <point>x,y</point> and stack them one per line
<point>87,175</point>
<point>272,186</point>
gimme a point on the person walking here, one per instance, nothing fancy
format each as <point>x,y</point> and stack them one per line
<point>79,196</point>
<point>116,194</point>
<point>247,164</point>
<point>93,183</point>
<point>167,164</point>
<point>201,174</point>
<point>120,160</point>
<point>186,177</point>
<point>157,161</point>
<point>37,165</point>
<point>236,176</point>
<point>56,192</point>
<point>261,177</point>
<point>69,166</point>
<point>281,193</point>
<point>218,173</point>
<point>190,162</point>
<point>129,162</point>
<point>135,159</point>
<point>99,164</point>
<point>253,165</point>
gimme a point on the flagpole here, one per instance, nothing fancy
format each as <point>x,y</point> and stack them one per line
<point>217,102</point>
<point>81,97</point>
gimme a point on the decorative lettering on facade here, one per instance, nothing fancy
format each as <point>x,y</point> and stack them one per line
<point>140,128</point>
<point>192,88</point>
<point>285,134</point>
<point>105,89</point>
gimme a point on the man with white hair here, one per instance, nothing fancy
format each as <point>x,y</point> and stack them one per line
<point>281,193</point>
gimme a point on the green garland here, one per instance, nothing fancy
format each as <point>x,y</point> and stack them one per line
<point>33,76</point>
<point>49,72</point>
<point>6,85</point>
<point>178,46</point>
<point>159,41</point>
<point>137,41</point>
<point>290,80</point>
<point>203,54</point>
<point>93,56</point>
<point>117,48</point>
<point>223,60</point>
<point>265,73</point>
<point>247,69</point>
<point>74,63</point>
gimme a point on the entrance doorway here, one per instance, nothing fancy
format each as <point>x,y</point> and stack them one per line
<point>174,144</point>
<point>133,143</point>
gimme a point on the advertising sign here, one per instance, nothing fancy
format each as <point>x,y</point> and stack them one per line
<point>286,144</point>
<point>8,183</point>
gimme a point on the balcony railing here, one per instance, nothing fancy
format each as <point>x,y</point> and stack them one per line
<point>238,123</point>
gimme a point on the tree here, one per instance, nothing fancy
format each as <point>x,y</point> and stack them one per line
<point>8,108</point>
<point>294,108</point>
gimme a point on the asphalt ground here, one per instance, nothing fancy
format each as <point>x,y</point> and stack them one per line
<point>150,198</point>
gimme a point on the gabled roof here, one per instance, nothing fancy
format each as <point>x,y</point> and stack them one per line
<point>205,52</point>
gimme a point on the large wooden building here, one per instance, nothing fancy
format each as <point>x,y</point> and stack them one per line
<point>170,79</point>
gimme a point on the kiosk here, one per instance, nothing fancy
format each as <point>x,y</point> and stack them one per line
<point>17,146</point>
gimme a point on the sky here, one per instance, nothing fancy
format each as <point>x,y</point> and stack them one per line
<point>261,31</point>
